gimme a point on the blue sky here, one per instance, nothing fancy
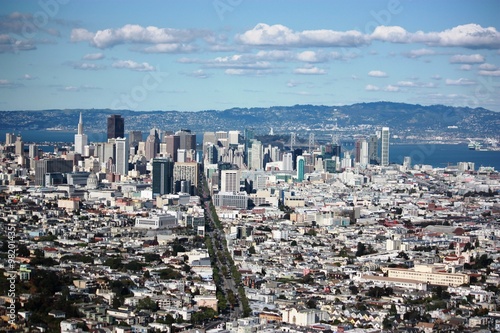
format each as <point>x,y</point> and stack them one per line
<point>218,54</point>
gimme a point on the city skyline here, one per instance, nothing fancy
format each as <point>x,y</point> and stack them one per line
<point>222,54</point>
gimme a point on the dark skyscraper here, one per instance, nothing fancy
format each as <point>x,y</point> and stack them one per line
<point>45,166</point>
<point>186,139</point>
<point>116,126</point>
<point>163,172</point>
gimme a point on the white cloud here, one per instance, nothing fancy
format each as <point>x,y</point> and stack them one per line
<point>275,55</point>
<point>11,44</point>
<point>93,56</point>
<point>467,59</point>
<point>392,88</point>
<point>437,77</point>
<point>80,35</point>
<point>9,84</point>
<point>29,77</point>
<point>371,87</point>
<point>307,56</point>
<point>419,53</point>
<point>392,34</point>
<point>87,66</point>
<point>170,48</point>
<point>490,73</point>
<point>293,83</point>
<point>377,73</point>
<point>488,67</point>
<point>460,82</point>
<point>200,74</point>
<point>279,35</point>
<point>471,36</point>
<point>251,72</point>
<point>133,33</point>
<point>78,88</point>
<point>413,84</point>
<point>466,67</point>
<point>132,65</point>
<point>309,71</point>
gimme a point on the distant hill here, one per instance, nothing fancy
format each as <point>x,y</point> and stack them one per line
<point>403,119</point>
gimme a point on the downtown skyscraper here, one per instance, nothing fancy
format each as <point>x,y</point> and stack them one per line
<point>384,146</point>
<point>81,139</point>
<point>116,126</point>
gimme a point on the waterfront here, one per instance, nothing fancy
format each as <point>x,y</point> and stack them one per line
<point>437,155</point>
<point>441,155</point>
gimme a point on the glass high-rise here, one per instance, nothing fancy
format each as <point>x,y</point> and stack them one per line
<point>116,126</point>
<point>163,173</point>
<point>384,143</point>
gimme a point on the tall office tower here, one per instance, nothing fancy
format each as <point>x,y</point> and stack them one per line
<point>221,135</point>
<point>230,181</point>
<point>152,146</point>
<point>122,156</point>
<point>108,152</point>
<point>301,165</point>
<point>233,137</point>
<point>384,142</point>
<point>407,162</point>
<point>134,137</point>
<point>185,171</point>
<point>336,149</point>
<point>287,162</point>
<point>257,160</point>
<point>49,166</point>
<point>181,155</point>
<point>81,139</point>
<point>209,138</point>
<point>249,135</point>
<point>19,146</point>
<point>363,159</point>
<point>33,151</point>
<point>116,126</point>
<point>163,175</point>
<point>329,165</point>
<point>173,144</point>
<point>187,140</point>
<point>357,150</point>
<point>9,138</point>
<point>211,154</point>
<point>373,149</point>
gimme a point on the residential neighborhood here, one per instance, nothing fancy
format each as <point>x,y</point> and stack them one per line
<point>238,242</point>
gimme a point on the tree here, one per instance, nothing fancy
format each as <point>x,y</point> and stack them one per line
<point>360,250</point>
<point>387,323</point>
<point>147,304</point>
<point>23,251</point>
<point>393,311</point>
<point>354,290</point>
<point>311,303</point>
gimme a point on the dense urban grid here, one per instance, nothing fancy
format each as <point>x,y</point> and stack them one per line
<point>234,234</point>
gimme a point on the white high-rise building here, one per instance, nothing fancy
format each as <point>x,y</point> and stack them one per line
<point>363,159</point>
<point>287,162</point>
<point>230,181</point>
<point>81,139</point>
<point>384,140</point>
<point>122,154</point>
<point>233,137</point>
<point>257,159</point>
